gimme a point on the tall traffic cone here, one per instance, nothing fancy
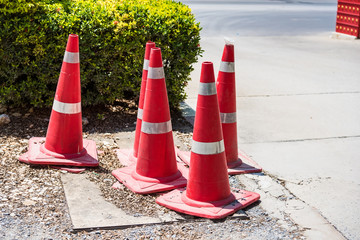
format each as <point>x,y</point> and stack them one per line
<point>156,168</point>
<point>64,144</point>
<point>208,190</point>
<point>129,156</point>
<point>237,161</point>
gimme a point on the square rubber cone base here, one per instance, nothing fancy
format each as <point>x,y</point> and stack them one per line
<point>126,156</point>
<point>248,165</point>
<point>35,156</point>
<point>173,200</point>
<point>24,158</point>
<point>124,175</point>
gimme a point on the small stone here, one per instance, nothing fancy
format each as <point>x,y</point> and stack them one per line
<point>4,119</point>
<point>3,108</point>
<point>12,214</point>
<point>29,202</point>
<point>31,110</point>
<point>26,115</point>
<point>85,121</point>
<point>16,114</point>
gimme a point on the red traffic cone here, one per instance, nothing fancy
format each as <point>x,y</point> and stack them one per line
<point>208,191</point>
<point>237,161</point>
<point>64,144</point>
<point>156,169</point>
<point>129,156</point>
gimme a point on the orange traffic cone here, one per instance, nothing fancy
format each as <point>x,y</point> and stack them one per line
<point>208,191</point>
<point>129,156</point>
<point>237,161</point>
<point>64,144</point>
<point>156,169</point>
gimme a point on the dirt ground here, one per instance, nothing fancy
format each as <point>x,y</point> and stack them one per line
<point>33,204</point>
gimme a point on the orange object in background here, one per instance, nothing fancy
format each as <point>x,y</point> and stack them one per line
<point>348,17</point>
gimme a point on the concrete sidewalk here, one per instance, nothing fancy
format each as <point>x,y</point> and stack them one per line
<point>298,102</point>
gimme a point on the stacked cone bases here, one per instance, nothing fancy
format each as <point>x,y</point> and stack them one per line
<point>208,191</point>
<point>237,161</point>
<point>129,156</point>
<point>156,168</point>
<point>64,144</point>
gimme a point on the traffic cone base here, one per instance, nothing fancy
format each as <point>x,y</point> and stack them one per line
<point>144,185</point>
<point>37,155</point>
<point>126,157</point>
<point>238,199</point>
<point>248,165</point>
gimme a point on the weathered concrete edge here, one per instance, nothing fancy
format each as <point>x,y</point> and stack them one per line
<point>279,202</point>
<point>321,228</point>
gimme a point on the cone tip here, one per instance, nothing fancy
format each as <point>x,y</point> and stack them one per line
<point>155,57</point>
<point>229,41</point>
<point>149,46</point>
<point>207,63</point>
<point>73,43</point>
<point>207,72</point>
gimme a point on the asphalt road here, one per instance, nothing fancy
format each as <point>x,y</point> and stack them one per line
<point>298,97</point>
<point>264,18</point>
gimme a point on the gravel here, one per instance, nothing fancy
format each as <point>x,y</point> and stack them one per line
<point>33,204</point>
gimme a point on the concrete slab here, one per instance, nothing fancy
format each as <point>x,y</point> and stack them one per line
<point>282,204</point>
<point>299,162</point>
<point>89,210</point>
<point>323,173</point>
<point>298,117</point>
<point>337,200</point>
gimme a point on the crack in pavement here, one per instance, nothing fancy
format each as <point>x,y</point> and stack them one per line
<point>302,140</point>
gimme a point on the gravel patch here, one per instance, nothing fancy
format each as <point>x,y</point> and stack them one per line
<point>33,204</point>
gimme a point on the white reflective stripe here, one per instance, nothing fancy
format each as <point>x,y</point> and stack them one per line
<point>207,88</point>
<point>228,117</point>
<point>207,148</point>
<point>156,73</point>
<point>67,108</point>
<point>140,113</point>
<point>227,67</point>
<point>146,64</point>
<point>156,128</point>
<point>71,57</point>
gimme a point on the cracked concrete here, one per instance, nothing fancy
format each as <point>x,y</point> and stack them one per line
<point>284,205</point>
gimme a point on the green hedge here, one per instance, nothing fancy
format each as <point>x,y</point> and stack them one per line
<point>113,34</point>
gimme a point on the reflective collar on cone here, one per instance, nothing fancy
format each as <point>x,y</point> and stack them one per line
<point>227,67</point>
<point>67,108</point>
<point>71,57</point>
<point>156,73</point>
<point>207,89</point>
<point>156,128</point>
<point>146,64</point>
<point>207,148</point>
<point>140,113</point>
<point>228,117</point>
